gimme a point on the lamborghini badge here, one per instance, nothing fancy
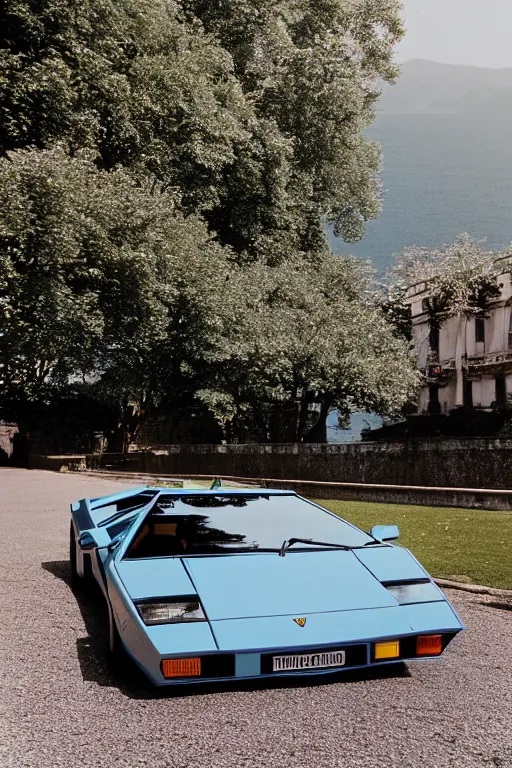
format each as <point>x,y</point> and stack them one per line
<point>300,622</point>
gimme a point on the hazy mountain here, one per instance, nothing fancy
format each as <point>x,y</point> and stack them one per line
<point>483,100</point>
<point>427,86</point>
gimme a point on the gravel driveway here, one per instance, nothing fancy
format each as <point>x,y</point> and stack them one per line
<point>60,704</point>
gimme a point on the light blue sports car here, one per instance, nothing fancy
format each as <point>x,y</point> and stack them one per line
<point>236,583</point>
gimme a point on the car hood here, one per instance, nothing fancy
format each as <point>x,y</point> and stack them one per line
<point>257,585</point>
<point>251,599</point>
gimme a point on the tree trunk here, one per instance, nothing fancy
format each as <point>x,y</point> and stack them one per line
<point>318,433</point>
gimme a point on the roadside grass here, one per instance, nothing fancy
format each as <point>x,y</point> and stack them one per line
<point>464,545</point>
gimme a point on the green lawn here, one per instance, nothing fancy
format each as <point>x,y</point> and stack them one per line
<point>460,544</point>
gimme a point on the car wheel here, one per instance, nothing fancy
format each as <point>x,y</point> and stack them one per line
<point>76,581</point>
<point>120,662</point>
<point>118,655</point>
<point>79,582</point>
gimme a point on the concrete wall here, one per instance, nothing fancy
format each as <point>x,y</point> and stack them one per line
<point>470,463</point>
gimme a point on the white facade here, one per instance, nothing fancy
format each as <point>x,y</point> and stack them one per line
<point>470,362</point>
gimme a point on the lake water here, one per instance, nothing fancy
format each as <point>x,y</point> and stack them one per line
<point>442,175</point>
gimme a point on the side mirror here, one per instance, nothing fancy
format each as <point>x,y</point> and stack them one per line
<point>385,532</point>
<point>95,539</point>
<point>87,542</point>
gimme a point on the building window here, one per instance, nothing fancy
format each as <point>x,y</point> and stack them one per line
<point>434,341</point>
<point>480,330</point>
<point>510,332</point>
<point>501,390</point>
<point>468,394</point>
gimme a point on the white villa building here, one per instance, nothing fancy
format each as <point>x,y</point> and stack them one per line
<point>469,360</point>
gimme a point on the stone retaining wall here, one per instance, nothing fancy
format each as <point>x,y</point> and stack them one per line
<point>468,463</point>
<point>473,473</point>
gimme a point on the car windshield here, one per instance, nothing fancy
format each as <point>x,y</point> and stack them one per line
<point>217,524</point>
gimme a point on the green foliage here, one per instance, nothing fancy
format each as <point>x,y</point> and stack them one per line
<point>91,266</point>
<point>311,70</point>
<point>461,277</point>
<point>302,338</point>
<point>126,79</point>
<point>252,111</point>
<point>168,170</point>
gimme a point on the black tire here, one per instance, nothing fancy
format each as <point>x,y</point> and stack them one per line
<point>76,581</point>
<point>116,648</point>
<point>79,583</point>
<point>124,668</point>
<point>120,662</point>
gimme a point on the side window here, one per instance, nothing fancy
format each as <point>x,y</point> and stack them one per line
<point>124,506</point>
<point>116,528</point>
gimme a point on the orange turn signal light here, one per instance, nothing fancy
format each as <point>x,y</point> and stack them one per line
<point>181,667</point>
<point>429,645</point>
<point>387,650</point>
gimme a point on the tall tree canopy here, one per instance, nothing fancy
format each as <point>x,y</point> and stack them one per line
<point>127,79</point>
<point>312,71</point>
<point>168,169</point>
<point>93,269</point>
<point>303,339</point>
<point>252,109</point>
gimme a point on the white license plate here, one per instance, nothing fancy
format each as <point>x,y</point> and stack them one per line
<point>308,661</point>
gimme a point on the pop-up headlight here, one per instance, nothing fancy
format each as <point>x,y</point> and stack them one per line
<point>415,592</point>
<point>171,611</point>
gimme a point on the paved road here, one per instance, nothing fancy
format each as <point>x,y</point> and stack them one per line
<point>60,705</point>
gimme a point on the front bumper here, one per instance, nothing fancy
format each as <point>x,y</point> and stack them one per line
<point>223,667</point>
<point>238,649</point>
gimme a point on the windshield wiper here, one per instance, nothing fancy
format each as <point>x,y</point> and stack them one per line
<point>290,542</point>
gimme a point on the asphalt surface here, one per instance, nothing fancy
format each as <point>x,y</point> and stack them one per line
<point>61,704</point>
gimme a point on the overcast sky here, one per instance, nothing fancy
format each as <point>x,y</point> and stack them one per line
<point>475,32</point>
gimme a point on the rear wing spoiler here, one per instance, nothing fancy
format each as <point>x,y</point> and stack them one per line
<point>82,510</point>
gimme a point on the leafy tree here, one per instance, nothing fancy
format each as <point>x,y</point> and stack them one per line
<point>253,111</point>
<point>92,269</point>
<point>168,169</point>
<point>126,79</point>
<point>312,71</point>
<point>461,278</point>
<point>302,339</point>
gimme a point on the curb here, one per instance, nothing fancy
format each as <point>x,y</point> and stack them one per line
<point>475,589</point>
<point>128,477</point>
<point>136,477</point>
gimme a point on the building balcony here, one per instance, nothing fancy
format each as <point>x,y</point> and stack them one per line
<point>438,372</point>
<point>491,362</point>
